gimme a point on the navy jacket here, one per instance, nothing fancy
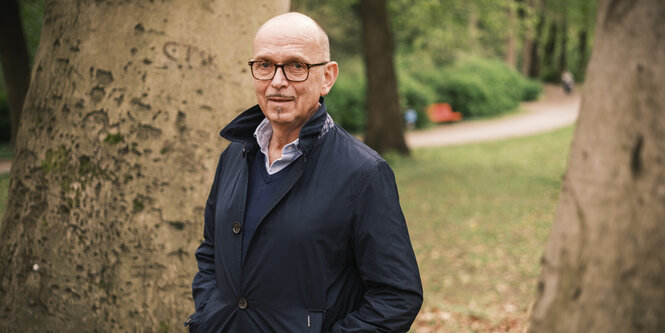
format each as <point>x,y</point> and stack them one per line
<point>331,254</point>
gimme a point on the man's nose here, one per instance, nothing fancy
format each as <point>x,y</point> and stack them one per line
<point>279,80</point>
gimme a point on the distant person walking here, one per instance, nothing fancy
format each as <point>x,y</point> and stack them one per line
<point>567,81</point>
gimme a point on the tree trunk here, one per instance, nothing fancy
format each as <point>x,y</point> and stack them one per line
<point>509,56</point>
<point>534,68</point>
<point>385,126</point>
<point>550,46</point>
<point>563,52</point>
<point>529,37</point>
<point>603,266</point>
<point>473,27</point>
<point>15,61</point>
<point>115,156</point>
<point>583,40</point>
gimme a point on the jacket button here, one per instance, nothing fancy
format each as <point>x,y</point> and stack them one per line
<point>242,303</point>
<point>237,227</point>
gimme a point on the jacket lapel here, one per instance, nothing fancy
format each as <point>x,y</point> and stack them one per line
<point>285,187</point>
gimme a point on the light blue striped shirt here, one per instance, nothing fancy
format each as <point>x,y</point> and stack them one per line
<point>290,152</point>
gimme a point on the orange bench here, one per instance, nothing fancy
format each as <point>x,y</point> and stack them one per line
<point>442,113</point>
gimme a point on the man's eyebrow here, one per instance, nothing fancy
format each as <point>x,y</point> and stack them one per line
<point>288,59</point>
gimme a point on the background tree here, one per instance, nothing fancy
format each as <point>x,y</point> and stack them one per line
<point>511,42</point>
<point>563,50</point>
<point>114,157</point>
<point>534,54</point>
<point>385,126</point>
<point>15,61</point>
<point>603,267</point>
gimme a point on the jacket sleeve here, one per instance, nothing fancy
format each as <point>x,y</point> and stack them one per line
<point>385,258</point>
<point>204,280</point>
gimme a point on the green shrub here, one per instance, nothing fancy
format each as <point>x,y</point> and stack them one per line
<point>415,95</point>
<point>478,87</point>
<point>531,90</point>
<point>474,86</point>
<point>346,101</point>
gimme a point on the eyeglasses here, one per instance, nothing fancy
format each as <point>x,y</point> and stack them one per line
<point>293,71</point>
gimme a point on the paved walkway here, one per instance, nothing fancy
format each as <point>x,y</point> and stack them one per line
<point>554,110</point>
<point>5,166</point>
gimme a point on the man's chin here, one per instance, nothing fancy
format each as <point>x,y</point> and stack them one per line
<point>280,116</point>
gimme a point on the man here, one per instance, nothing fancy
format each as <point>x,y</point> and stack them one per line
<point>303,228</point>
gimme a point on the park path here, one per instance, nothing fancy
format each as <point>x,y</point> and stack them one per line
<point>5,166</point>
<point>553,110</point>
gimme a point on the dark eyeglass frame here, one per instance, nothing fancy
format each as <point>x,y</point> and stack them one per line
<point>277,66</point>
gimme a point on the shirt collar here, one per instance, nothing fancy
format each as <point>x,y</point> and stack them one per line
<point>263,134</point>
<point>290,152</point>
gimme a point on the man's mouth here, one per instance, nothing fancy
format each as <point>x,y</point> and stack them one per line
<point>280,98</point>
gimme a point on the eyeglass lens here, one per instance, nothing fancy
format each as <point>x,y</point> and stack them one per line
<point>294,71</point>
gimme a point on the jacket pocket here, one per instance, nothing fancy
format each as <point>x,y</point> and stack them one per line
<point>314,321</point>
<point>200,317</point>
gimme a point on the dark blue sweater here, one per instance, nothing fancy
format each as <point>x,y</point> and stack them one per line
<point>260,190</point>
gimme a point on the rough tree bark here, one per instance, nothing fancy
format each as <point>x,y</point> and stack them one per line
<point>563,51</point>
<point>15,61</point>
<point>603,266</point>
<point>534,68</point>
<point>116,152</point>
<point>583,41</point>
<point>528,34</point>
<point>510,56</point>
<point>385,126</point>
<point>550,46</point>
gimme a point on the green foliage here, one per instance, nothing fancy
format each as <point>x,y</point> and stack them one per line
<point>475,86</point>
<point>478,87</point>
<point>346,101</point>
<point>416,95</point>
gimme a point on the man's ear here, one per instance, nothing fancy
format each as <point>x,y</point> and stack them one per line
<point>331,70</point>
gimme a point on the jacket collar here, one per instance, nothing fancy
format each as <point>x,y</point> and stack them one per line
<point>241,129</point>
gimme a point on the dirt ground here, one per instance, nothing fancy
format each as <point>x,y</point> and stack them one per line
<point>5,166</point>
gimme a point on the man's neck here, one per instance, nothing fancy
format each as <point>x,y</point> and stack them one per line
<point>281,136</point>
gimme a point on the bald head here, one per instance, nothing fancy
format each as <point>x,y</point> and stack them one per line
<point>297,26</point>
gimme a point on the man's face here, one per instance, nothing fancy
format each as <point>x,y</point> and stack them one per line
<point>286,103</point>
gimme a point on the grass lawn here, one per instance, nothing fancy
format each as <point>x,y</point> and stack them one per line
<point>479,216</point>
